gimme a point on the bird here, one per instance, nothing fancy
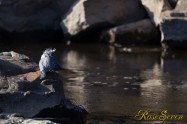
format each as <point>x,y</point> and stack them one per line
<point>48,62</point>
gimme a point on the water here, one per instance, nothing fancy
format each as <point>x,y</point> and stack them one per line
<point>113,84</point>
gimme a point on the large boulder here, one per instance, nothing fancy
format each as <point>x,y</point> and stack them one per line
<point>23,92</point>
<point>144,31</point>
<point>139,32</point>
<point>92,15</point>
<point>29,15</point>
<point>174,27</point>
<point>89,16</point>
<point>154,8</point>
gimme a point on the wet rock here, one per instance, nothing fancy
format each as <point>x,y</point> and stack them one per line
<point>139,32</point>
<point>23,92</point>
<point>29,15</point>
<point>174,27</point>
<point>93,15</point>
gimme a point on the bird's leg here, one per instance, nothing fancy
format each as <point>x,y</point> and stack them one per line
<point>43,75</point>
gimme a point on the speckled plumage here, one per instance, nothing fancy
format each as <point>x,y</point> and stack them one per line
<point>48,62</point>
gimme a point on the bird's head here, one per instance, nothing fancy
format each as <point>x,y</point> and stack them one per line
<point>48,52</point>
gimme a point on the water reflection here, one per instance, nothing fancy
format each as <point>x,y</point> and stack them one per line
<point>155,73</point>
<point>113,84</point>
<point>73,60</point>
<point>118,83</point>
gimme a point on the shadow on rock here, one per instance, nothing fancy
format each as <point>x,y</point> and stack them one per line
<point>29,96</point>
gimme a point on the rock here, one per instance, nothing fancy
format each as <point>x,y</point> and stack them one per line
<point>3,116</point>
<point>93,15</point>
<point>12,63</point>
<point>29,15</point>
<point>21,86</point>
<point>23,92</point>
<point>154,8</point>
<point>139,32</point>
<point>174,27</point>
<point>72,114</point>
<point>32,121</point>
<point>90,16</point>
<point>26,121</point>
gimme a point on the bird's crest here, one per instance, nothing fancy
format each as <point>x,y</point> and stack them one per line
<point>49,51</point>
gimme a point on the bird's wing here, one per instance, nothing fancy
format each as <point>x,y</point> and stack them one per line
<point>40,65</point>
<point>44,64</point>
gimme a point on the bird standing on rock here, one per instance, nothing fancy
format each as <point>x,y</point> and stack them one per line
<point>48,63</point>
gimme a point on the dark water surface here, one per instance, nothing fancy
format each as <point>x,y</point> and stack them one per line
<point>113,84</point>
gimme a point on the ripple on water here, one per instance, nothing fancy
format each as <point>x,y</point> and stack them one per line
<point>116,83</point>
